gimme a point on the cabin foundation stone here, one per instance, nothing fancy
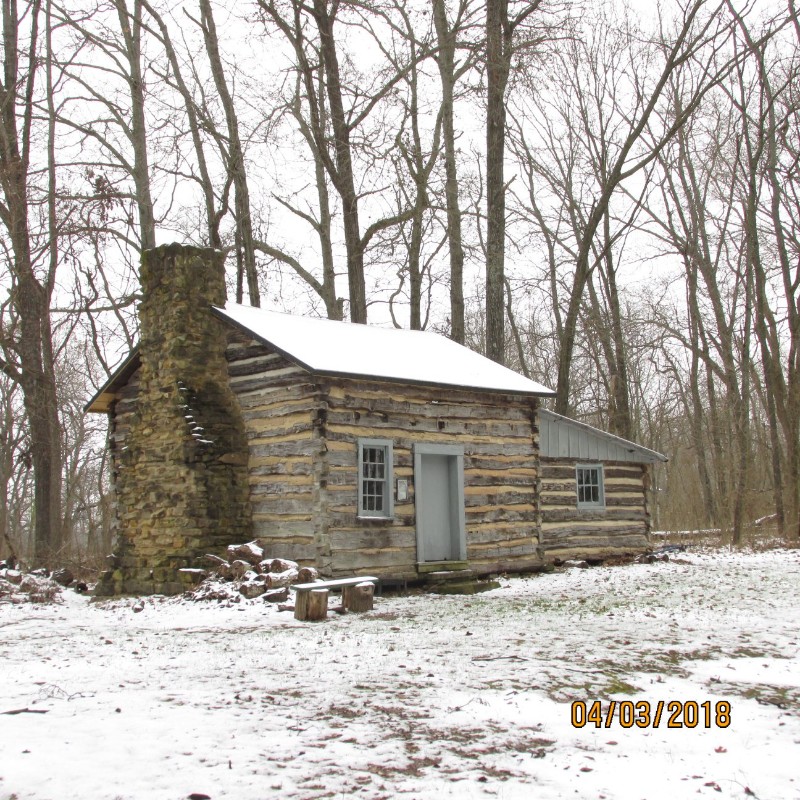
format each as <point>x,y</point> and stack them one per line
<point>180,479</point>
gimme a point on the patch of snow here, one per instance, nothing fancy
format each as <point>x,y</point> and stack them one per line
<point>428,696</point>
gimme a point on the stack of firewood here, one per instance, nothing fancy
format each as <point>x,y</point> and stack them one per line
<point>248,573</point>
<point>17,586</point>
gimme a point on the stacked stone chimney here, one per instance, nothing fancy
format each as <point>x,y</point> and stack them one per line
<point>181,475</point>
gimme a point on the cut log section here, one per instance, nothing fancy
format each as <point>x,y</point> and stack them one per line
<point>311,605</point>
<point>358,598</point>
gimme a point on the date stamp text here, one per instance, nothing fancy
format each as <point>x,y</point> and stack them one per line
<point>644,714</point>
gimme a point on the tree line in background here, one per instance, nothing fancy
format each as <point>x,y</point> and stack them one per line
<point>608,203</point>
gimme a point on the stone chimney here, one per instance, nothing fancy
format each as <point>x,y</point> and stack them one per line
<point>181,482</point>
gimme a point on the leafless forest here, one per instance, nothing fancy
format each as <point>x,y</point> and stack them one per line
<point>605,199</point>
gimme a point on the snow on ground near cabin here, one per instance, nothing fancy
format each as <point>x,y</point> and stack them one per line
<point>427,697</point>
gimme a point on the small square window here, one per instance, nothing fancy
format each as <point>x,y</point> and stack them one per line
<point>590,486</point>
<point>375,478</point>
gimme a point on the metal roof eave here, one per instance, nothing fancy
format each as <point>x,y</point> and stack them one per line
<point>647,455</point>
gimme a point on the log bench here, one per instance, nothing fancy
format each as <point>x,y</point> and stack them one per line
<point>311,599</point>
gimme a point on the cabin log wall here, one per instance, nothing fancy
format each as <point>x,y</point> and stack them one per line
<point>279,403</point>
<point>621,528</point>
<point>119,424</point>
<point>499,437</point>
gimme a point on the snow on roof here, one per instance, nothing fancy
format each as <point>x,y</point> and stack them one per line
<point>342,348</point>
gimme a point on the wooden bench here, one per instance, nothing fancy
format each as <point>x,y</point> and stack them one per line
<point>311,600</point>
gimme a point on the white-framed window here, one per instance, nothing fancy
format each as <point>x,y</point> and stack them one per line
<point>375,497</point>
<point>591,493</point>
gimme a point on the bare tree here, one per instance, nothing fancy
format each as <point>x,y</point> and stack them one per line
<point>320,219</point>
<point>117,56</point>
<point>450,71</point>
<point>31,253</point>
<point>317,64</point>
<point>501,26</point>
<point>245,248</point>
<point>577,119</point>
<point>198,121</point>
<point>12,437</point>
<point>765,122</point>
<point>130,23</point>
<point>695,44</point>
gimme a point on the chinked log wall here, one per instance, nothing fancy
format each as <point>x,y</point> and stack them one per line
<point>498,435</point>
<point>303,433</point>
<point>280,405</point>
<point>623,526</point>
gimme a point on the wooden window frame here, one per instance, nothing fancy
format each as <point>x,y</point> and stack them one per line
<point>387,512</point>
<point>590,505</point>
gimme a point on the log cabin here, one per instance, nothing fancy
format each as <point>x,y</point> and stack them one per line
<point>346,447</point>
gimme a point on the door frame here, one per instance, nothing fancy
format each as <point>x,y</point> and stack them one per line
<point>457,513</point>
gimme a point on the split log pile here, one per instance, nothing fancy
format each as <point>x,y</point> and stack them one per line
<point>248,573</point>
<point>18,587</point>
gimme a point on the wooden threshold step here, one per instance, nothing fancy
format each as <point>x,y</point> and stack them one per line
<point>424,567</point>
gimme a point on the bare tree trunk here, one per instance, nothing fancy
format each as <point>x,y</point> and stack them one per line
<point>446,63</point>
<point>619,419</point>
<point>498,61</point>
<point>246,257</point>
<point>512,321</point>
<point>343,178</point>
<point>420,163</point>
<point>30,297</point>
<point>775,463</point>
<point>783,393</point>
<point>697,413</point>
<point>333,304</point>
<point>742,417</point>
<point>131,27</point>
<point>621,424</point>
<point>500,29</point>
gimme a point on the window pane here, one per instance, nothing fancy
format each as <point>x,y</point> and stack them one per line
<point>374,480</point>
<point>589,481</point>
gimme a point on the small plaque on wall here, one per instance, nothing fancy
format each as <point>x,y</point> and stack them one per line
<point>402,490</point>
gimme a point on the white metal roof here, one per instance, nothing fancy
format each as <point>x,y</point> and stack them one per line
<point>327,347</point>
<point>561,437</point>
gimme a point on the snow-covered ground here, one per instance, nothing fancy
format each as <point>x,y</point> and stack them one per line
<point>427,697</point>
